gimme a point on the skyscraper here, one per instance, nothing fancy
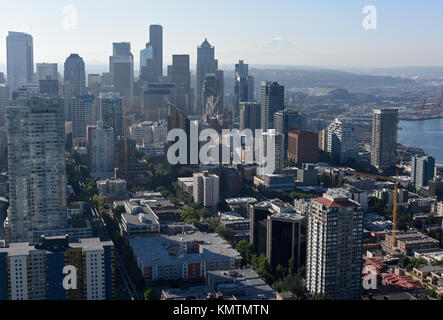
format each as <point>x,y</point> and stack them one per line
<point>250,115</point>
<point>74,81</point>
<point>384,138</point>
<point>82,116</point>
<point>181,76</point>
<point>111,112</point>
<point>423,170</point>
<point>206,63</point>
<point>334,253</point>
<point>303,146</point>
<point>101,150</point>
<point>156,98</point>
<point>4,101</point>
<point>243,85</point>
<point>342,141</point>
<point>37,168</point>
<point>213,90</point>
<point>272,100</point>
<point>270,153</point>
<point>121,67</point>
<point>47,71</point>
<point>20,59</point>
<point>151,58</point>
<point>286,121</point>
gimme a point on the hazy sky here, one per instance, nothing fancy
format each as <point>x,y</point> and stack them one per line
<point>292,32</point>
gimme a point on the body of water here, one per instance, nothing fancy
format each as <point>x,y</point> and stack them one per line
<point>426,134</point>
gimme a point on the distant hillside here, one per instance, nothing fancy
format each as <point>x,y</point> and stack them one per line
<point>303,78</point>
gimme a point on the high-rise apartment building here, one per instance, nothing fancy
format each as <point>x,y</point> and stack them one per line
<point>35,272</point>
<point>37,167</point>
<point>82,116</point>
<point>20,59</point>
<point>334,253</point>
<point>121,67</point>
<point>74,81</point>
<point>111,112</point>
<point>303,146</point>
<point>206,63</point>
<point>342,141</point>
<point>206,189</point>
<point>423,170</point>
<point>151,58</point>
<point>101,151</point>
<point>272,101</point>
<point>384,138</point>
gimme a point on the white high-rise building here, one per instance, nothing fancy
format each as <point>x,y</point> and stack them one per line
<point>271,153</point>
<point>342,141</point>
<point>82,116</point>
<point>101,151</point>
<point>206,189</point>
<point>20,59</point>
<point>37,168</point>
<point>334,249</point>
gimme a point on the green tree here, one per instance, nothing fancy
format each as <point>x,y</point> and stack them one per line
<point>150,294</point>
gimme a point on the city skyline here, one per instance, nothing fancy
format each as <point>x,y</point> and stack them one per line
<point>308,34</point>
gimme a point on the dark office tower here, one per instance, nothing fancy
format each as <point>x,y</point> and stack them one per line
<point>286,121</point>
<point>384,138</point>
<point>250,115</point>
<point>156,98</point>
<point>286,238</point>
<point>180,75</point>
<point>74,81</point>
<point>111,112</point>
<point>48,87</point>
<point>243,85</point>
<point>272,101</point>
<point>258,217</point>
<point>37,169</point>
<point>20,59</point>
<point>151,58</point>
<point>121,67</point>
<point>206,63</point>
<point>213,90</point>
<point>178,120</point>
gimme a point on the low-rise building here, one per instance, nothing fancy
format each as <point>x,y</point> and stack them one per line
<point>186,184</point>
<point>186,256</point>
<point>239,284</point>
<point>274,182</point>
<point>113,189</point>
<point>409,241</point>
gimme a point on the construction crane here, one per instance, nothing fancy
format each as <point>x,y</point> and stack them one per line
<point>211,109</point>
<point>395,208</point>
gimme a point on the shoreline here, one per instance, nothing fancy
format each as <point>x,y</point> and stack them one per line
<point>406,119</point>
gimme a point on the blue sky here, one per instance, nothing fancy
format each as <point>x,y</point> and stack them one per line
<point>291,32</point>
